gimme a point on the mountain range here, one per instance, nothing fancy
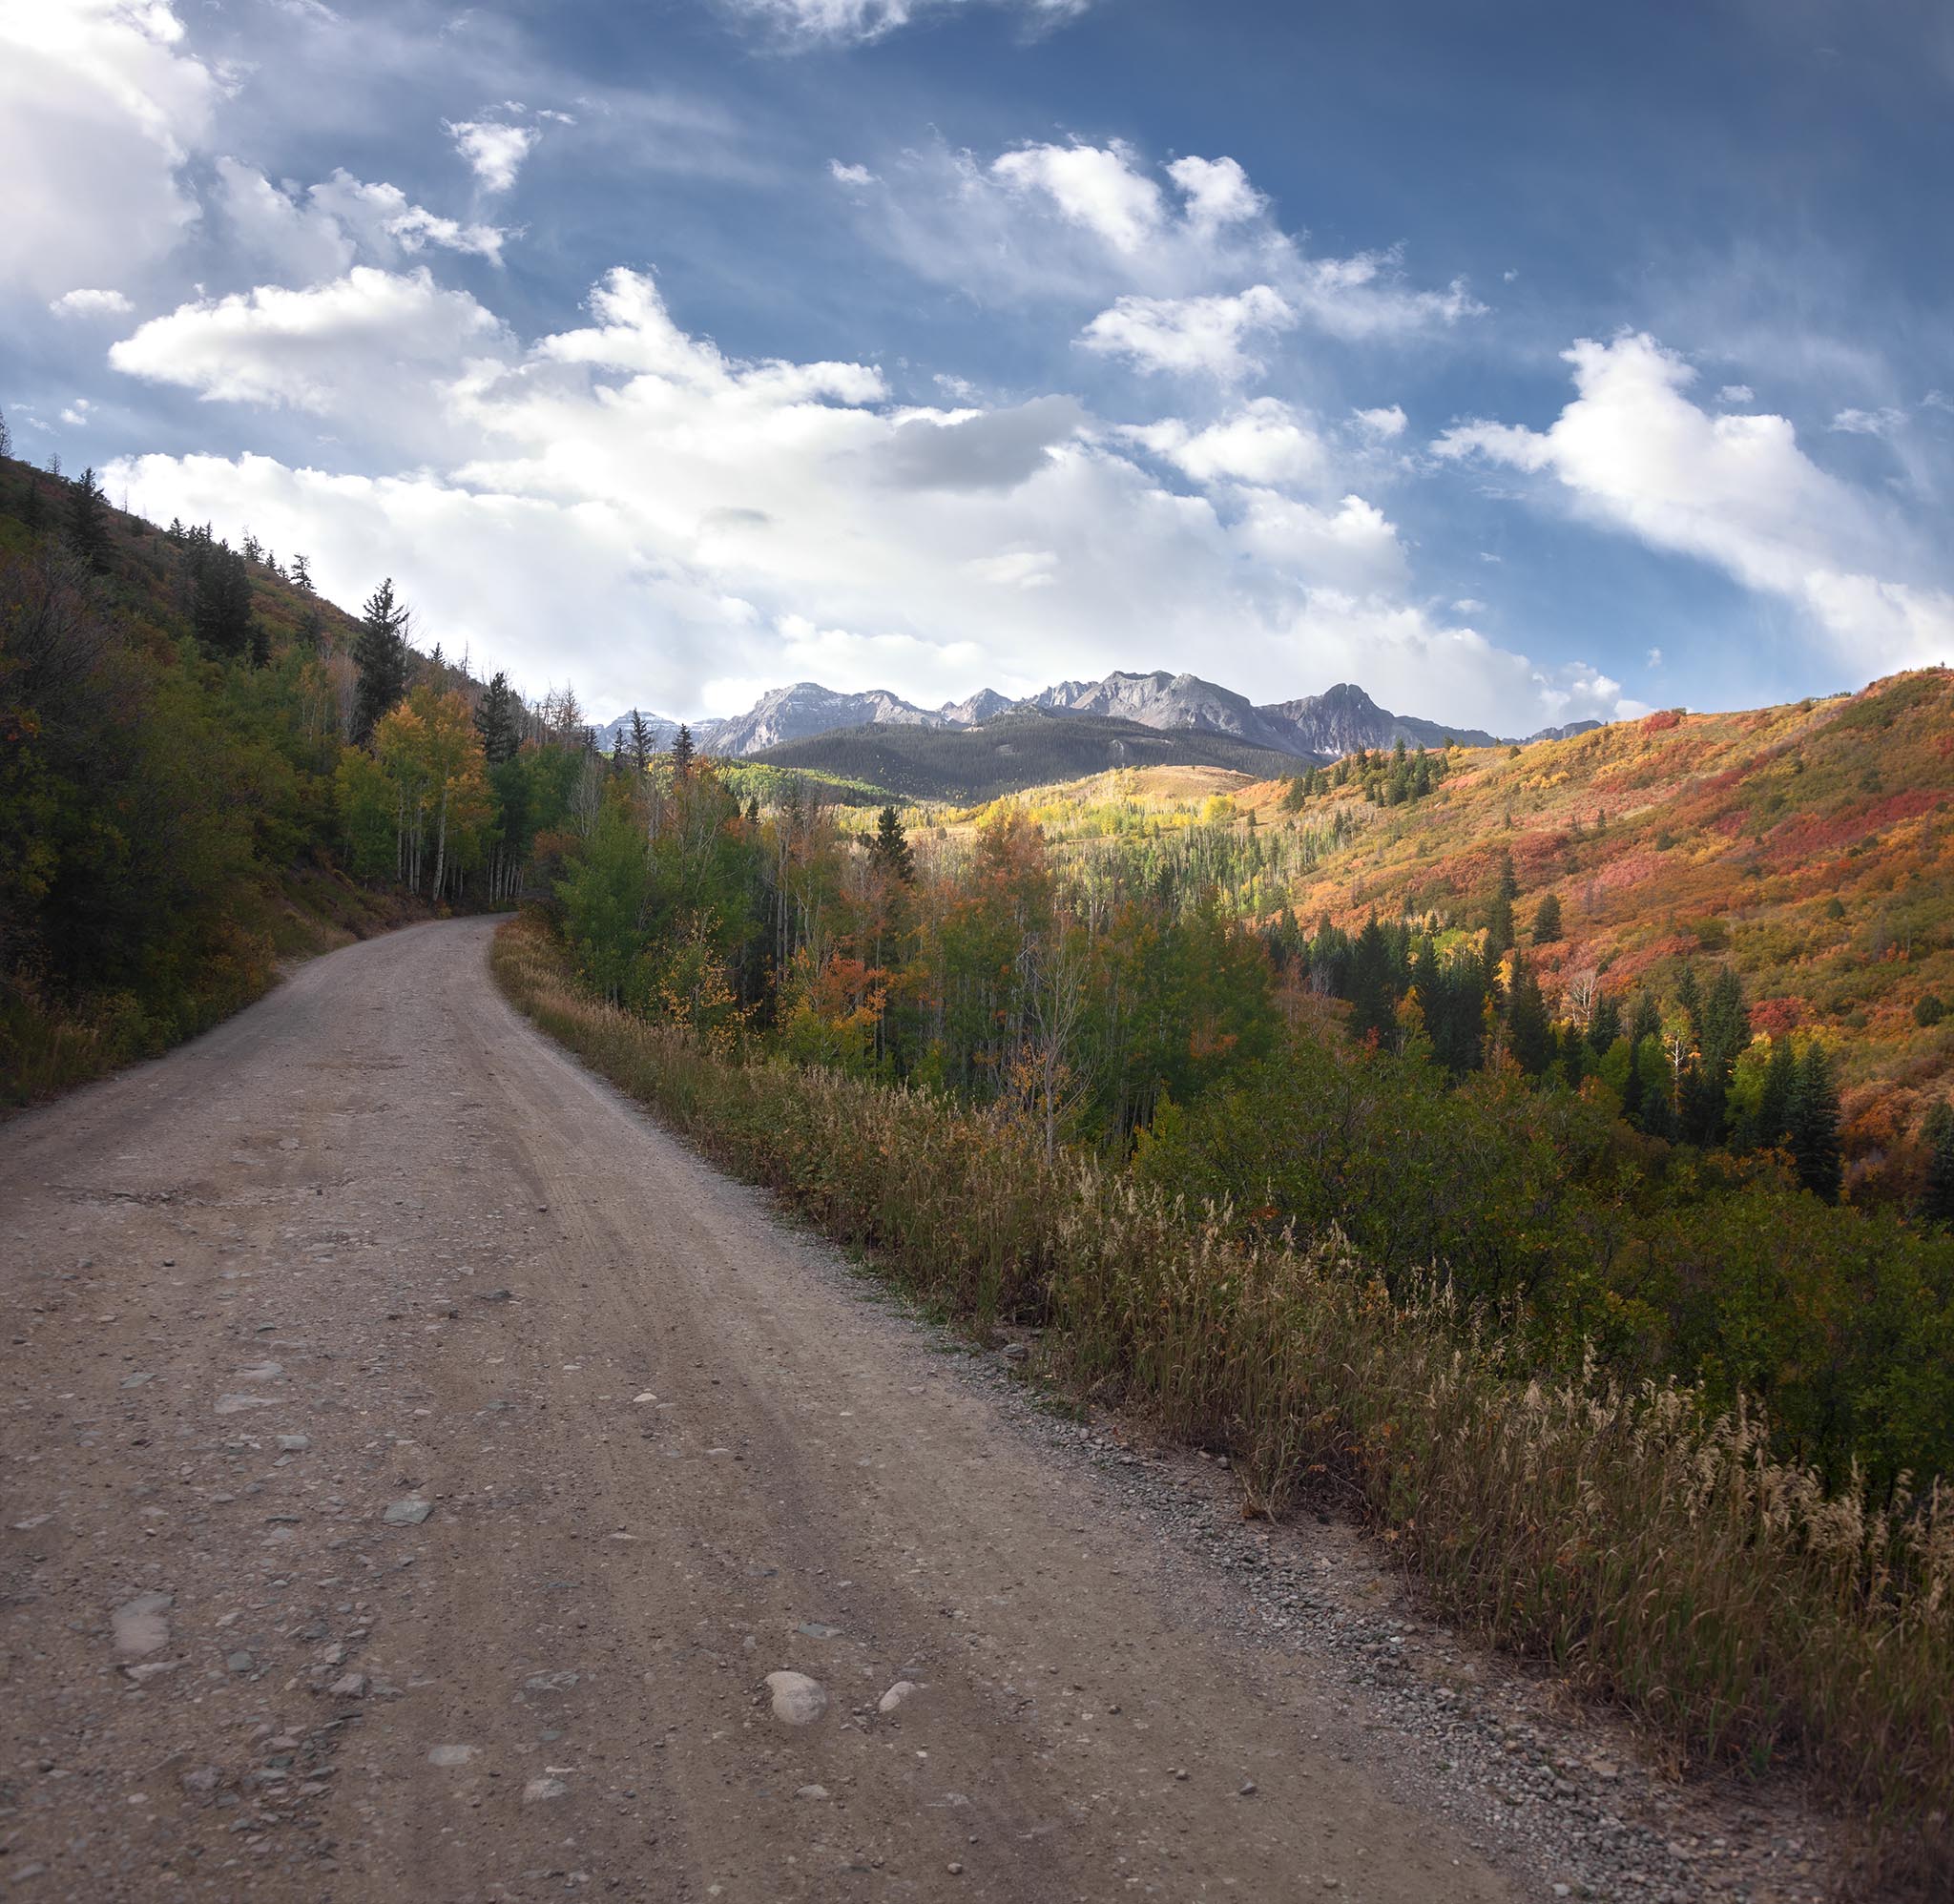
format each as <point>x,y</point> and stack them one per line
<point>1313,727</point>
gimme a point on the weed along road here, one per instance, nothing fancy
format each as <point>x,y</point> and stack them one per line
<point>426,1479</point>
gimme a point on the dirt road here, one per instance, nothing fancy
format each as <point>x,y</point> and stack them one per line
<point>374,1252</point>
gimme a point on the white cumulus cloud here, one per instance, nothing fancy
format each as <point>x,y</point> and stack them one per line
<point>1633,451</point>
<point>624,503</point>
<point>1190,336</point>
<point>494,151</point>
<point>100,110</point>
<point>80,304</point>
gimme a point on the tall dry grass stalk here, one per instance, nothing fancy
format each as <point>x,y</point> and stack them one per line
<point>1651,1549</point>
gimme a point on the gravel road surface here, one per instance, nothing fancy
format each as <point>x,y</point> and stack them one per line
<point>419,1473</point>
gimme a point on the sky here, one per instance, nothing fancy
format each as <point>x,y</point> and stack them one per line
<point>1520,363</point>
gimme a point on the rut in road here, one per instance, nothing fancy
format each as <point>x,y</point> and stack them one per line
<point>374,1246</point>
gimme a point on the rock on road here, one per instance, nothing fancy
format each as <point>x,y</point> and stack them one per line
<point>418,1465</point>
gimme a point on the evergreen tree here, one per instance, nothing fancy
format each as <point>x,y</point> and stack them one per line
<point>88,521</point>
<point>260,643</point>
<point>1814,1125</point>
<point>1546,921</point>
<point>1603,1021</point>
<point>498,720</point>
<point>312,631</point>
<point>380,652</point>
<point>221,606</point>
<point>1937,1199</point>
<point>1723,1026</point>
<point>890,848</point>
<point>1498,912</point>
<point>641,742</point>
<point>1373,1008</point>
<point>682,751</point>
<point>301,575</point>
<point>1772,1118</point>
<point>1690,996</point>
<point>1528,1029</point>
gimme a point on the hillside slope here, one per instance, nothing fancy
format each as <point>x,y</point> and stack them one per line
<point>166,817</point>
<point>1809,846</point>
<point>1023,748</point>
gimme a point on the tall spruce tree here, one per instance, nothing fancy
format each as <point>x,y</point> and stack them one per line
<point>1528,1025</point>
<point>498,720</point>
<point>641,749</point>
<point>890,850</point>
<point>88,521</point>
<point>1547,919</point>
<point>682,752</point>
<point>1373,1006</point>
<point>1814,1125</point>
<point>220,607</point>
<point>1937,1196</point>
<point>380,652</point>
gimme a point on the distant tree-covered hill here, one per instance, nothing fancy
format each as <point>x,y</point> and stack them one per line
<point>1024,748</point>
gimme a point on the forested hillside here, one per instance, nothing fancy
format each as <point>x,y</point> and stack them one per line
<point>1807,851</point>
<point>206,768</point>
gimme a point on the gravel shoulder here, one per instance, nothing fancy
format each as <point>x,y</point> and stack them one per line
<point>422,1471</point>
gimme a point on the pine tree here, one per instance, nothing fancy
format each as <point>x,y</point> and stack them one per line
<point>1499,926</point>
<point>301,575</point>
<point>1772,1117</point>
<point>88,521</point>
<point>1814,1125</point>
<point>380,652</point>
<point>498,720</point>
<point>890,848</point>
<point>1937,1199</point>
<point>1546,921</point>
<point>220,607</point>
<point>1372,1006</point>
<point>682,751</point>
<point>1528,1026</point>
<point>641,749</point>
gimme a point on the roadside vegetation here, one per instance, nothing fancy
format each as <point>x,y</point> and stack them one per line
<point>1645,1542</point>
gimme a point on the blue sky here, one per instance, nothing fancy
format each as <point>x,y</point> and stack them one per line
<point>1522,363</point>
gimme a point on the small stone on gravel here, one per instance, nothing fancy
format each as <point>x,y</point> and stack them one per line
<point>896,1694</point>
<point>408,1513</point>
<point>798,1699</point>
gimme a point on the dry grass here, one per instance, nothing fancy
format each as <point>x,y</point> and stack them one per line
<point>1657,1554</point>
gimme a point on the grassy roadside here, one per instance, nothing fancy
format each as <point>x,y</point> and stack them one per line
<point>1658,1556</point>
<point>47,1049</point>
